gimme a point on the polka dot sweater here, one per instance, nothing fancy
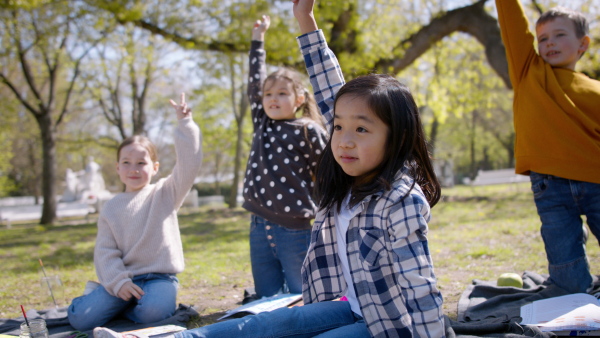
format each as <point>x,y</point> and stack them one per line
<point>278,181</point>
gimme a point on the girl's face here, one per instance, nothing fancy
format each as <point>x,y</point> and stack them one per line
<point>359,136</point>
<point>279,99</point>
<point>135,167</point>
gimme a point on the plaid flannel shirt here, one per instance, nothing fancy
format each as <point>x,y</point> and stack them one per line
<point>387,248</point>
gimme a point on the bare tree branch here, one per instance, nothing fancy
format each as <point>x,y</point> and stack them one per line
<point>76,72</point>
<point>213,45</point>
<point>537,7</point>
<point>473,20</point>
<point>25,67</point>
<point>17,94</point>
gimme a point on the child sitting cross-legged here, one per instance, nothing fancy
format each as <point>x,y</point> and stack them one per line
<point>138,248</point>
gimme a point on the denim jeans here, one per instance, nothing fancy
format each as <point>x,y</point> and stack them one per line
<point>99,307</point>
<point>561,203</point>
<point>324,320</point>
<point>276,256</point>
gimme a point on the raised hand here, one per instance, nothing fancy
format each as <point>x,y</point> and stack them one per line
<point>182,109</point>
<point>303,11</point>
<point>260,27</point>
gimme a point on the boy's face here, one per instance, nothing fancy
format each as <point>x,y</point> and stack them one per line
<point>559,45</point>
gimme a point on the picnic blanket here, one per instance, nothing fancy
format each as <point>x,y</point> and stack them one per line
<point>486,310</point>
<point>59,327</point>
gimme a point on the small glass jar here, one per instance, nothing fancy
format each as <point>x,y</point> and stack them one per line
<point>36,329</point>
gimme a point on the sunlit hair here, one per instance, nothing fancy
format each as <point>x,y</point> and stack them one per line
<point>405,147</point>
<point>581,24</point>
<point>309,107</point>
<point>141,140</point>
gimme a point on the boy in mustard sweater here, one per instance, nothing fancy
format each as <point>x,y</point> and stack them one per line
<point>557,123</point>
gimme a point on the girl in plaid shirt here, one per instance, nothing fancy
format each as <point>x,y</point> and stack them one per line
<point>375,185</point>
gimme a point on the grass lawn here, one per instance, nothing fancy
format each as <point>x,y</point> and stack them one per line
<point>475,233</point>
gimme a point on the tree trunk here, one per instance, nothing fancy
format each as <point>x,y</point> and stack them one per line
<point>237,165</point>
<point>49,165</point>
<point>510,149</point>
<point>239,119</point>
<point>473,136</point>
<point>433,131</point>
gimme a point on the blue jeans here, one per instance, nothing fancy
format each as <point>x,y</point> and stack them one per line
<point>561,203</point>
<point>99,307</point>
<point>324,320</point>
<point>276,256</point>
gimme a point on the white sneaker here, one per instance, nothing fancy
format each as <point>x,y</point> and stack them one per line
<point>90,286</point>
<point>103,332</point>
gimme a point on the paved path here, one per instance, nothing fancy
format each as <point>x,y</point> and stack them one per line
<point>10,214</point>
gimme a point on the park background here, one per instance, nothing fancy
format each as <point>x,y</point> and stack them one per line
<point>77,77</point>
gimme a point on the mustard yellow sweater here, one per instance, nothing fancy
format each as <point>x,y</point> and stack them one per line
<point>556,111</point>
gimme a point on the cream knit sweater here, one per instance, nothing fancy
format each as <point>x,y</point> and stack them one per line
<point>138,232</point>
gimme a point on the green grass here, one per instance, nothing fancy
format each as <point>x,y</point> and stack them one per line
<point>475,233</point>
<point>482,232</point>
<point>216,250</point>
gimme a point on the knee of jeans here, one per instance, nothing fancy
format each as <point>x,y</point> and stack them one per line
<point>80,321</point>
<point>152,313</point>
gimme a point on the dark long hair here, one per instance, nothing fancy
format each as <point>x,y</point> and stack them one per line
<point>406,146</point>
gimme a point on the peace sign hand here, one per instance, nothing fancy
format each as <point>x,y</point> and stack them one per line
<point>182,109</point>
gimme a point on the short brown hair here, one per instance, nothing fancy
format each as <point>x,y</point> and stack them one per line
<point>141,140</point>
<point>582,27</point>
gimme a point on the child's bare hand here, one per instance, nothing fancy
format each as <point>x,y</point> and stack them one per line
<point>182,109</point>
<point>303,8</point>
<point>303,11</point>
<point>129,290</point>
<point>260,27</point>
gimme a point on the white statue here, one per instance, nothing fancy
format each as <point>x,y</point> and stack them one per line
<point>93,180</point>
<point>85,186</point>
<point>71,187</point>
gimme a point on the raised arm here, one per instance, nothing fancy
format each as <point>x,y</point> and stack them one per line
<point>257,71</point>
<point>303,11</point>
<point>260,28</point>
<point>321,63</point>
<point>517,38</point>
<point>188,147</point>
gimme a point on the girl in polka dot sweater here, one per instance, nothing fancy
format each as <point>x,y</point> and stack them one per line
<point>279,176</point>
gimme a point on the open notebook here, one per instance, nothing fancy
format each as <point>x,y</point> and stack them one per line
<point>263,305</point>
<point>575,312</point>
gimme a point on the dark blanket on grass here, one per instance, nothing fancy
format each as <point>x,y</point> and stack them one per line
<point>486,310</point>
<point>58,324</point>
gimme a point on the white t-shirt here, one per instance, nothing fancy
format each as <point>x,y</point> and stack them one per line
<point>342,222</point>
